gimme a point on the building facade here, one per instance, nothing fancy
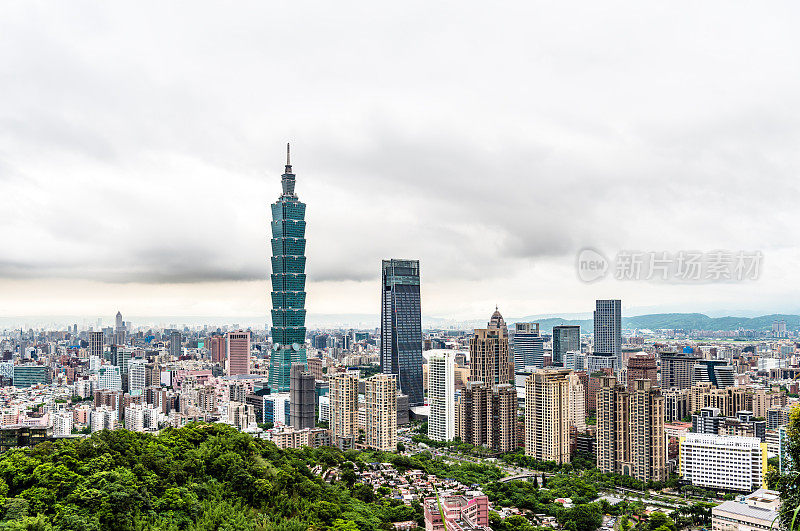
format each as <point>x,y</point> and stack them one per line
<point>401,326</point>
<point>441,396</point>
<point>380,399</point>
<point>547,415</point>
<point>608,329</point>
<point>566,338</point>
<point>302,397</point>
<point>723,462</point>
<point>528,346</point>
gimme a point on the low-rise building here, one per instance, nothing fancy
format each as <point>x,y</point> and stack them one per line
<point>723,462</point>
<point>755,512</point>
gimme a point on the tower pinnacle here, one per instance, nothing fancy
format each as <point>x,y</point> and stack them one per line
<point>288,160</point>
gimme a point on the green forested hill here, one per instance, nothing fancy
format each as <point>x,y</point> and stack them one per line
<point>197,477</point>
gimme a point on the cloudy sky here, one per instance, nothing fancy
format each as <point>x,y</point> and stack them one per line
<point>142,143</point>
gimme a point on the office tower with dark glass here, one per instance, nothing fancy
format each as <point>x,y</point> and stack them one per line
<point>566,338</point>
<point>608,330</point>
<point>288,283</point>
<point>401,327</point>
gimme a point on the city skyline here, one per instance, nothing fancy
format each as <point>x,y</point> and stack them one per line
<point>174,161</point>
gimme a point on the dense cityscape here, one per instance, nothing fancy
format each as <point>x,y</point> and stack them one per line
<point>509,426</point>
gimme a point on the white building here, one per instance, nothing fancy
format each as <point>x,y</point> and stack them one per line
<point>577,403</point>
<point>141,418</point>
<point>136,375</point>
<point>723,462</point>
<point>62,424</point>
<point>109,377</point>
<point>324,409</point>
<point>94,363</point>
<point>441,396</point>
<point>755,512</point>
<point>102,419</point>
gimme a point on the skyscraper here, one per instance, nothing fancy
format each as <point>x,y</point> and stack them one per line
<point>488,353</point>
<point>344,409</point>
<point>401,326</point>
<point>95,344</point>
<point>302,401</point>
<point>566,338</point>
<point>217,347</point>
<point>175,347</point>
<point>608,330</point>
<point>238,352</point>
<point>288,282</point>
<point>441,396</point>
<point>380,399</point>
<point>547,415</point>
<point>676,370</point>
<point>630,430</point>
<point>121,331</point>
<point>528,346</point>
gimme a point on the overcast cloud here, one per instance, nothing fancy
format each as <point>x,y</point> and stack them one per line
<point>141,144</point>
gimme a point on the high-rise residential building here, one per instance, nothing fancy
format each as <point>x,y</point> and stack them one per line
<point>121,356</point>
<point>401,326</point>
<point>302,397</point>
<point>96,344</point>
<point>175,344</point>
<point>488,353</point>
<point>642,367</point>
<point>676,370</point>
<point>577,403</point>
<point>566,338</point>
<point>676,404</point>
<point>218,350</point>
<point>608,329</point>
<point>547,415</point>
<point>288,282</point>
<point>441,396</point>
<point>380,399</point>
<point>473,414</point>
<point>717,372</point>
<point>528,346</point>
<point>62,424</point>
<point>723,462</point>
<point>344,409</point>
<point>502,417</point>
<point>238,352</point>
<point>137,376</point>
<point>630,430</point>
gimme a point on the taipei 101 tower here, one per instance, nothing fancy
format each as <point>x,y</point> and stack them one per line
<point>288,283</point>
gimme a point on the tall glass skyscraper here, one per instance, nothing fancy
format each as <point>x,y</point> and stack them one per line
<point>288,283</point>
<point>608,330</point>
<point>401,327</point>
<point>566,338</point>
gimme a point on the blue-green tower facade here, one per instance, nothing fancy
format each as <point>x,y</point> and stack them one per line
<point>288,283</point>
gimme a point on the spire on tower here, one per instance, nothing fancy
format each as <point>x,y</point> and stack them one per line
<point>288,160</point>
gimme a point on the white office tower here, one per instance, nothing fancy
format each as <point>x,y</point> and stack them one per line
<point>109,377</point>
<point>137,368</point>
<point>528,346</point>
<point>62,424</point>
<point>94,363</point>
<point>103,418</point>
<point>723,462</point>
<point>441,396</point>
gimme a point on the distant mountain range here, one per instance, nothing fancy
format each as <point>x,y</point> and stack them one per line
<point>655,321</point>
<point>678,321</point>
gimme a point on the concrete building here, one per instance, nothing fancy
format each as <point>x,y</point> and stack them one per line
<point>62,424</point>
<point>488,353</point>
<point>677,370</point>
<point>502,417</point>
<point>238,352</point>
<point>461,513</point>
<point>216,344</point>
<point>676,404</point>
<point>380,398</point>
<point>344,409</point>
<point>547,415</point>
<point>137,375</point>
<point>109,377</point>
<point>756,512</point>
<point>302,399</point>
<point>723,462</point>
<point>630,430</point>
<point>441,396</point>
<point>716,372</point>
<point>577,403</point>
<point>473,414</point>
<point>96,344</point>
<point>642,366</point>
